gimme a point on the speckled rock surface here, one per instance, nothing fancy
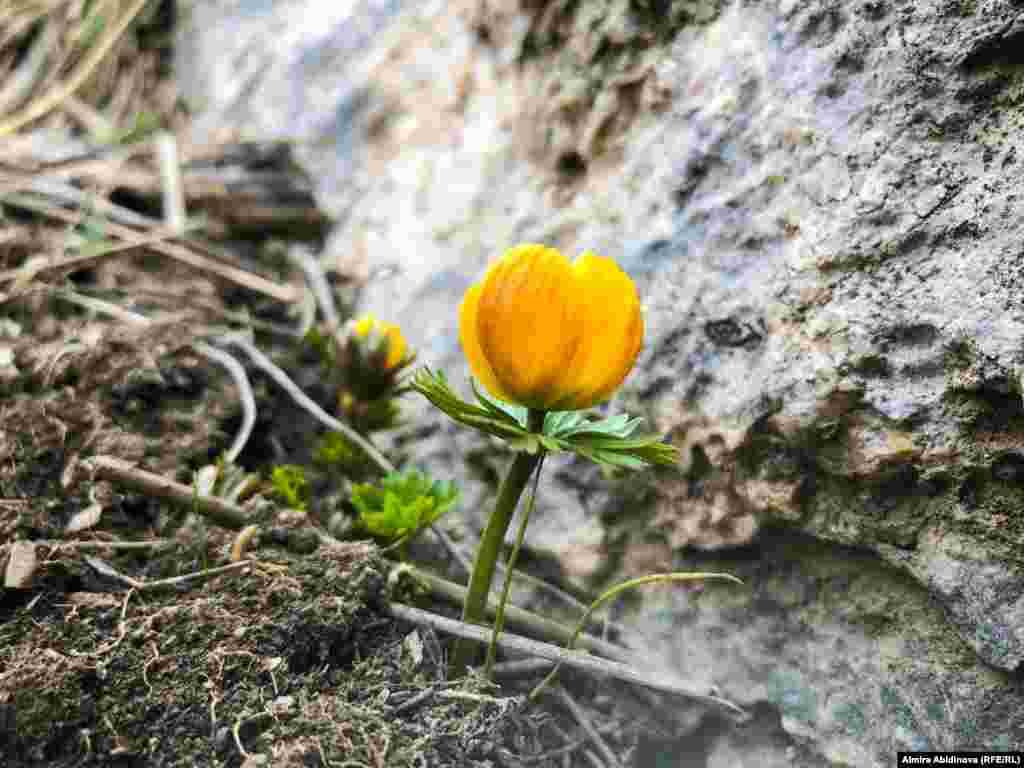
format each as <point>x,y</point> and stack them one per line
<point>820,203</point>
<point>839,655</point>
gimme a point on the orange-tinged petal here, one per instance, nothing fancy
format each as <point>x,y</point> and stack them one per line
<point>364,325</point>
<point>526,323</point>
<point>396,344</point>
<point>611,327</point>
<point>550,335</point>
<point>388,335</point>
<point>471,345</point>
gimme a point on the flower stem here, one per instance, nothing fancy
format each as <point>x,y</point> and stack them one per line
<point>474,607</point>
<point>499,614</point>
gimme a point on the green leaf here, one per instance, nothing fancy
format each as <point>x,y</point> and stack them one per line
<point>613,459</point>
<point>500,407</point>
<point>402,504</point>
<point>289,484</point>
<point>558,423</point>
<point>611,441</point>
<point>621,426</point>
<point>487,418</point>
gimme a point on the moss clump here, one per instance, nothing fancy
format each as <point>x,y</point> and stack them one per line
<point>293,661</point>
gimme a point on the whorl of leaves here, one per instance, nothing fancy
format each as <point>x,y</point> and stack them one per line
<point>611,441</point>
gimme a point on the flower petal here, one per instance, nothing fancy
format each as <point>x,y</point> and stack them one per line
<point>611,328</point>
<point>471,345</point>
<point>396,344</point>
<point>364,325</point>
<point>527,323</point>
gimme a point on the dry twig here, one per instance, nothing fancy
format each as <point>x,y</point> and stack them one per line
<point>122,473</point>
<point>588,727</point>
<point>59,544</point>
<point>302,399</point>
<point>245,395</point>
<point>525,620</point>
<point>582,662</point>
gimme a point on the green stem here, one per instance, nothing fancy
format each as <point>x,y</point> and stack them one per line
<point>499,614</point>
<point>473,609</point>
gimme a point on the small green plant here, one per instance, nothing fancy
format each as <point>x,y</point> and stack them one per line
<point>288,482</point>
<point>402,504</point>
<point>334,450</point>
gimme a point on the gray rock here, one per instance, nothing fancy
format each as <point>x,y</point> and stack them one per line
<point>820,205</point>
<point>853,658</point>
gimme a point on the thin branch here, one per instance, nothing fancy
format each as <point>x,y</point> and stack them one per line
<point>582,662</point>
<point>73,163</point>
<point>197,575</point>
<point>122,473</point>
<point>479,698</point>
<point>100,544</point>
<point>57,190</point>
<point>244,392</point>
<point>265,364</point>
<point>203,303</point>
<point>222,512</point>
<point>212,353</point>
<point>105,568</point>
<point>520,668</point>
<point>588,727</point>
<point>523,619</point>
<point>409,704</point>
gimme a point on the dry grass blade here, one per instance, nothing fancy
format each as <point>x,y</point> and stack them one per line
<point>54,97</point>
<point>27,272</point>
<point>282,293</point>
<point>21,82</point>
<point>21,565</point>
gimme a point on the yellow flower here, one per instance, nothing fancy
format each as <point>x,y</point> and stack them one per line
<point>550,335</point>
<point>388,333</point>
